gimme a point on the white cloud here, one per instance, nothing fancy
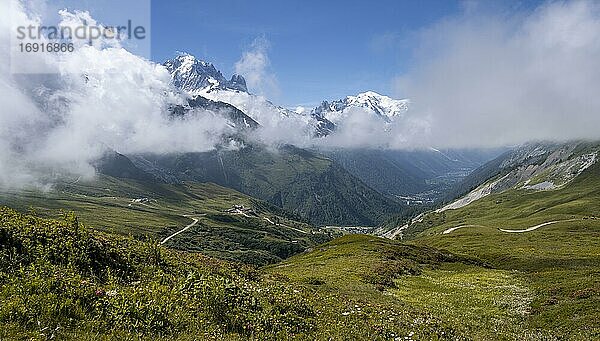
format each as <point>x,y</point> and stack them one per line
<point>490,79</point>
<point>99,99</point>
<point>361,128</point>
<point>482,80</point>
<point>254,65</point>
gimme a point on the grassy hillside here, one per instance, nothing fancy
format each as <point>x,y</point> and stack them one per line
<point>299,181</point>
<point>519,209</point>
<point>542,159</point>
<point>560,262</point>
<point>59,280</point>
<point>413,292</point>
<point>109,204</point>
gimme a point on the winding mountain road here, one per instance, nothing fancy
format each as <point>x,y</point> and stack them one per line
<point>459,227</point>
<point>529,229</point>
<point>192,224</point>
<point>289,227</point>
<point>538,226</point>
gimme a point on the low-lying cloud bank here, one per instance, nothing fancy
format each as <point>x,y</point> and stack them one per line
<point>488,77</point>
<point>501,79</point>
<point>482,80</point>
<point>97,99</point>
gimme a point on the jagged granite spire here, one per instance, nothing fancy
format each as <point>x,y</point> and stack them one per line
<point>196,76</point>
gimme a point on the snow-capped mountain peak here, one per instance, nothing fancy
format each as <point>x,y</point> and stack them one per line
<point>382,106</point>
<point>197,76</point>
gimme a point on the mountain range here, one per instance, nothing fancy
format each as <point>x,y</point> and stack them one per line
<point>200,78</point>
<point>526,252</point>
<point>325,186</point>
<point>536,169</point>
<point>396,173</point>
<point>258,240</point>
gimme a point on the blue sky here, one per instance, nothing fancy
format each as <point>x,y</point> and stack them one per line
<point>318,49</point>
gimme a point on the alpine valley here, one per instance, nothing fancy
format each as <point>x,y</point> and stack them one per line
<point>305,238</point>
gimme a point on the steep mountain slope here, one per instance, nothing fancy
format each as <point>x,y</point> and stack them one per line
<point>532,167</point>
<point>543,176</point>
<point>413,177</point>
<point>381,171</point>
<point>521,207</point>
<point>549,237</point>
<point>239,121</point>
<point>119,166</point>
<point>416,176</point>
<point>536,166</point>
<point>190,74</point>
<point>302,182</point>
<point>200,78</point>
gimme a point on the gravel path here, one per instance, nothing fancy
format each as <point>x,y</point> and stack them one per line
<point>192,224</point>
<point>532,228</point>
